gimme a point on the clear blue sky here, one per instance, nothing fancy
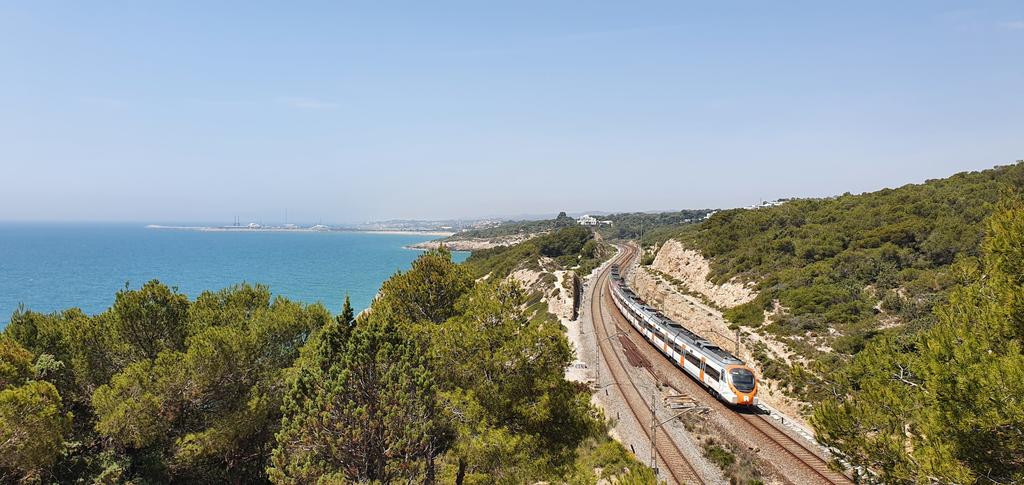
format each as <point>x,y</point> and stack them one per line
<point>348,111</point>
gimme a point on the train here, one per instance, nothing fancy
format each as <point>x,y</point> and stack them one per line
<point>722,373</point>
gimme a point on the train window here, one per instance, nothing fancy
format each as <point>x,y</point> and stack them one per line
<point>712,373</point>
<point>742,379</point>
<point>692,359</point>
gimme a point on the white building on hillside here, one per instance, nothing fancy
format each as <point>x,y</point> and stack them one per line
<point>768,203</point>
<point>589,220</point>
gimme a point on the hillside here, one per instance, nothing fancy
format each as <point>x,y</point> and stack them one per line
<point>630,225</point>
<point>513,228</point>
<point>889,246</point>
<point>845,284</point>
<point>572,247</point>
<point>546,265</point>
<point>624,225</point>
<point>835,273</point>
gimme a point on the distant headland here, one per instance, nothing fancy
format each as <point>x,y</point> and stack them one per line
<point>417,227</point>
<point>298,228</point>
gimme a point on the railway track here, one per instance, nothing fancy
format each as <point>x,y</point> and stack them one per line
<point>668,451</point>
<point>794,448</point>
<point>747,423</point>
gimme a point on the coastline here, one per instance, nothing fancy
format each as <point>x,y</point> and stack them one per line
<point>295,229</point>
<point>406,232</point>
<point>472,244</point>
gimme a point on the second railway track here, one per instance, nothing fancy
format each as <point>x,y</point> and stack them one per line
<point>668,451</point>
<point>794,448</point>
<point>793,459</point>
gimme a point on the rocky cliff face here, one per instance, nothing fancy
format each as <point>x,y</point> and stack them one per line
<point>692,269</point>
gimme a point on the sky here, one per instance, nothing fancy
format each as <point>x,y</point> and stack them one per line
<point>354,111</point>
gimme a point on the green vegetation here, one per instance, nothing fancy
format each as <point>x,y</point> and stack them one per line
<point>647,258</point>
<point>510,228</point>
<point>571,247</point>
<point>457,385</point>
<point>442,380</point>
<point>32,422</point>
<point>631,225</point>
<point>906,304</point>
<point>850,269</point>
<point>364,406</point>
<point>158,388</point>
<point>943,405</point>
<point>737,464</point>
<point>718,454</point>
<point>627,225</point>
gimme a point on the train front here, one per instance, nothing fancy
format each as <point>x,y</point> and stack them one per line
<point>743,385</point>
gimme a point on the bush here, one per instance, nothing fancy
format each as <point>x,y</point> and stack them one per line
<point>567,246</point>
<point>818,255</point>
<point>750,314</point>
<point>648,258</point>
<point>719,455</point>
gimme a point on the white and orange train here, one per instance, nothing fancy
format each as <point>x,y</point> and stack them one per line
<point>726,376</point>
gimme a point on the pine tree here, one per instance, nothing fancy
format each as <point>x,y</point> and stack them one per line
<point>429,290</point>
<point>972,366</point>
<point>347,316</point>
<point>371,417</point>
<point>209,412</point>
<point>945,406</point>
<point>32,423</point>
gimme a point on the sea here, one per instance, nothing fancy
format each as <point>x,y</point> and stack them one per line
<point>52,267</point>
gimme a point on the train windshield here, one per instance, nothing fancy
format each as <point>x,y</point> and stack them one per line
<point>742,380</point>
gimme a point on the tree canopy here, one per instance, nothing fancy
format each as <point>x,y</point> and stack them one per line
<point>567,246</point>
<point>443,379</point>
<point>165,389</point>
<point>624,225</point>
<point>371,415</point>
<point>943,405</point>
<point>32,420</point>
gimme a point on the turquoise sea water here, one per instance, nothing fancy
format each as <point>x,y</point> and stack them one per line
<point>50,267</point>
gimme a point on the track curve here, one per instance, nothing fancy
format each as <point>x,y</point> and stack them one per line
<point>671,456</point>
<point>749,424</point>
